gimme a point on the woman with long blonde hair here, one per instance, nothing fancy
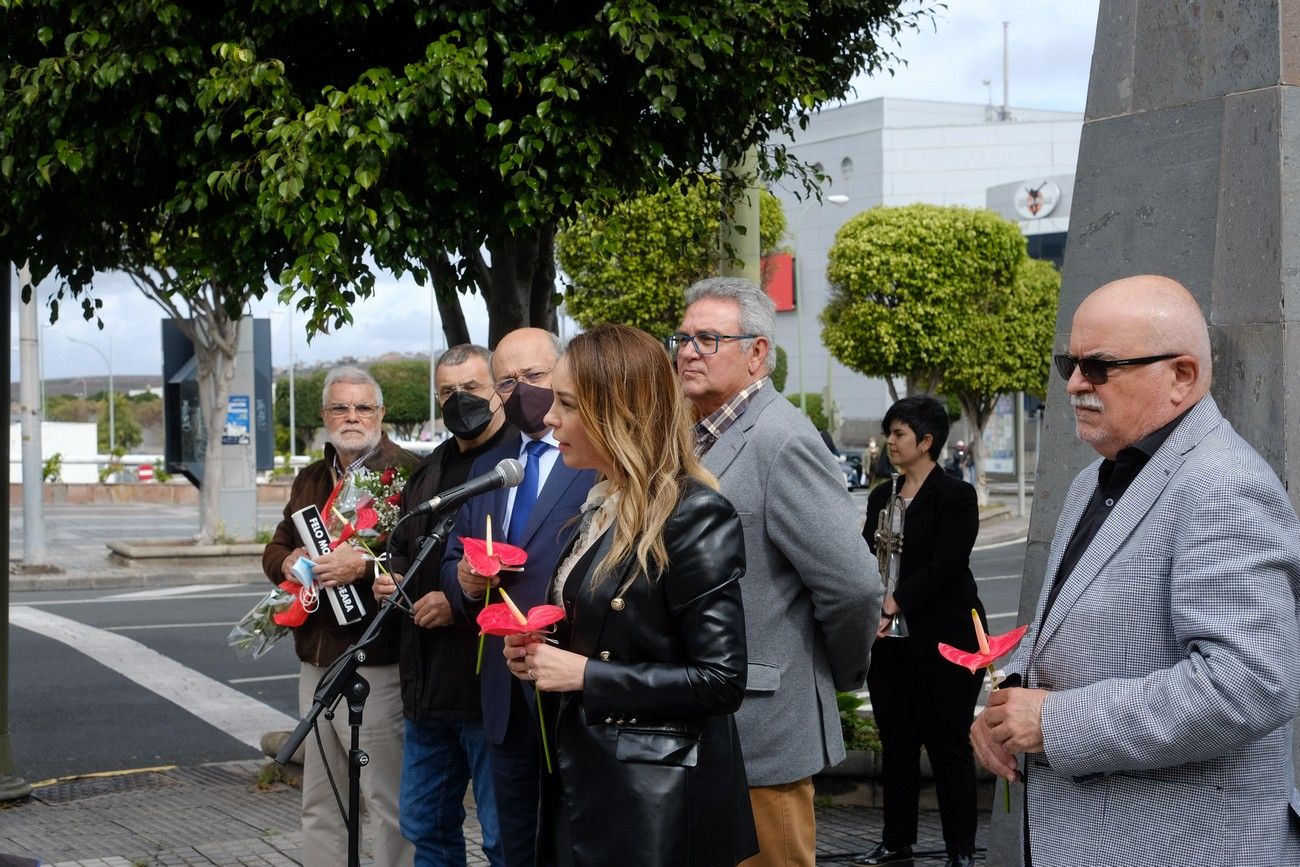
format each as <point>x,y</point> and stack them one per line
<point>649,664</point>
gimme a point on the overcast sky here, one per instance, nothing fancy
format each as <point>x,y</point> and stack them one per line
<point>1050,52</point>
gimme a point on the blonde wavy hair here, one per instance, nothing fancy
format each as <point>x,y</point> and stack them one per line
<point>637,420</point>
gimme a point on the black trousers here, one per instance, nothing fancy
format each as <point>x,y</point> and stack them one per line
<point>924,702</point>
<point>515,776</point>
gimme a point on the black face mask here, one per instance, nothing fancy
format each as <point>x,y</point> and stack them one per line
<point>466,415</point>
<point>527,406</point>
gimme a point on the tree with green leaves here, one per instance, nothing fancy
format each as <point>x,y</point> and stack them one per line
<point>946,297</point>
<point>208,150</point>
<point>631,264</point>
<point>406,394</point>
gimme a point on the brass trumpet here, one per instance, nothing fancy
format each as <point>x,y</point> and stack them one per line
<point>889,550</point>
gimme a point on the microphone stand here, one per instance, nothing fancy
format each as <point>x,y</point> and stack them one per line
<point>343,679</point>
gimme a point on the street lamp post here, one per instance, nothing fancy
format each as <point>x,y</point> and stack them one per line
<point>837,199</point>
<point>112,395</point>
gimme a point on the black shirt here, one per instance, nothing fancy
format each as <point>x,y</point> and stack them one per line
<point>1113,479</point>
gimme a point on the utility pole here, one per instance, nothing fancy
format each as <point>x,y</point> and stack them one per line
<point>1006,72</point>
<point>12,786</point>
<point>29,395</point>
<point>293,409</point>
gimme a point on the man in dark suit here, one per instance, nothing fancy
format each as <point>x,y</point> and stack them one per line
<point>538,517</point>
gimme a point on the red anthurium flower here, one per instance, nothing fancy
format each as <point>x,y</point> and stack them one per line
<point>388,475</point>
<point>295,614</point>
<point>498,619</point>
<point>999,646</point>
<point>490,564</point>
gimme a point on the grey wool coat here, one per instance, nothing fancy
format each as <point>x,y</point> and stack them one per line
<point>1172,656</point>
<point>811,589</point>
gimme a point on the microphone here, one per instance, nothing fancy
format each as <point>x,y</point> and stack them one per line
<point>506,474</point>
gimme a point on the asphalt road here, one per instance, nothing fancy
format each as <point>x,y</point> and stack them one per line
<point>113,680</point>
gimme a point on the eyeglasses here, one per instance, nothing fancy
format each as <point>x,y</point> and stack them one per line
<point>341,410</point>
<point>507,385</point>
<point>1097,370</point>
<point>705,343</point>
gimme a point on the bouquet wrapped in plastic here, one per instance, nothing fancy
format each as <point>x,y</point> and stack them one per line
<point>271,619</point>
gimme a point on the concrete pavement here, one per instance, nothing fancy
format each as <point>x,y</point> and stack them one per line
<point>218,814</point>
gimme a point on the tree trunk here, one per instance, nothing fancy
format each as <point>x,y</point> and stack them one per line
<point>541,297</point>
<point>443,274</point>
<point>893,389</point>
<point>519,285</point>
<point>216,340</point>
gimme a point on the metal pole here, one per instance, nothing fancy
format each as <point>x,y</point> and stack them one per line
<point>29,342</point>
<point>1006,73</point>
<point>1020,453</point>
<point>112,402</point>
<point>12,786</point>
<point>799,297</point>
<point>293,414</point>
<point>798,309</point>
<point>433,343</point>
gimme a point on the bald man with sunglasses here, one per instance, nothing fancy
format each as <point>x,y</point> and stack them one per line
<point>1150,707</point>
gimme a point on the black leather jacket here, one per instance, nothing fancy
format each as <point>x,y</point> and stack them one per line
<point>649,764</point>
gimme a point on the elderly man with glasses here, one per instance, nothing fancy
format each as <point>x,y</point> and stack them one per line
<point>352,408</point>
<point>1154,696</point>
<point>537,516</point>
<point>811,589</point>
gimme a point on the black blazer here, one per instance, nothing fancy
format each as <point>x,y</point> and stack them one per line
<point>648,755</point>
<point>936,590</point>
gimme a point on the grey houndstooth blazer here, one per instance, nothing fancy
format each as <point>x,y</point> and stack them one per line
<point>1173,658</point>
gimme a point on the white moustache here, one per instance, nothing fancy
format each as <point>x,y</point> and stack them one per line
<point>1086,401</point>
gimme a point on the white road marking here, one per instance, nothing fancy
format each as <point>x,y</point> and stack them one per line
<point>223,623</point>
<point>999,577</point>
<point>293,676</point>
<point>1003,614</point>
<point>91,600</point>
<point>167,591</point>
<point>989,547</point>
<point>229,710</point>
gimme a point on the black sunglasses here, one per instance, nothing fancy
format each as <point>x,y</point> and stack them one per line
<point>1097,370</point>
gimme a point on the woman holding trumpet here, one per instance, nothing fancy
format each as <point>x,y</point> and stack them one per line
<point>918,698</point>
<point>649,664</point>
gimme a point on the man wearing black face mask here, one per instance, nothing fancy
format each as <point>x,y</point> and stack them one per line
<point>538,517</point>
<point>444,747</point>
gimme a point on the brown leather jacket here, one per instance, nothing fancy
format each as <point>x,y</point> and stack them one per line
<point>320,640</point>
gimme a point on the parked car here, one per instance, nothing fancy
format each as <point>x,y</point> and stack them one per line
<point>851,468</point>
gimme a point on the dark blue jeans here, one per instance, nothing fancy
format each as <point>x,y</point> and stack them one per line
<point>439,757</point>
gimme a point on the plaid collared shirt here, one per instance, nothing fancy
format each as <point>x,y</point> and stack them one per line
<point>708,429</point>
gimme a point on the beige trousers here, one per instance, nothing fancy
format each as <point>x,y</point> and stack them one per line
<point>786,823</point>
<point>324,833</point>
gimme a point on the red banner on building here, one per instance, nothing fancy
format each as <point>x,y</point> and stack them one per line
<point>778,280</point>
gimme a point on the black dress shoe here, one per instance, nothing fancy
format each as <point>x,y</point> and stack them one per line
<point>882,854</point>
<point>960,861</point>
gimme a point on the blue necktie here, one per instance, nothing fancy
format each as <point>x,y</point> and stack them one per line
<point>526,496</point>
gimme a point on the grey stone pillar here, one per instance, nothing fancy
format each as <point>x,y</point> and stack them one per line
<point>1189,166</point>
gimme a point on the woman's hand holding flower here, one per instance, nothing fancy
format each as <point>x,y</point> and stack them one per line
<point>552,669</point>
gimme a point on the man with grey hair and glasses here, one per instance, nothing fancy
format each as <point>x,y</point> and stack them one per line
<point>811,590</point>
<point>352,409</point>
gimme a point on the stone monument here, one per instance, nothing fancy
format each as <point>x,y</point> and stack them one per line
<point>1189,166</point>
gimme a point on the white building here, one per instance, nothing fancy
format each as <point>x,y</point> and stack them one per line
<point>896,152</point>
